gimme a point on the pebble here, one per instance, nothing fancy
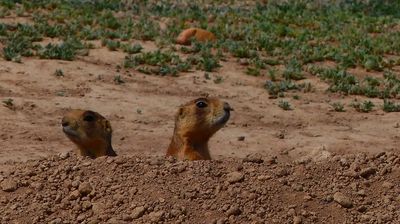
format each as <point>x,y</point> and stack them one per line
<point>74,195</point>
<point>85,188</point>
<point>98,207</point>
<point>342,200</point>
<point>86,205</point>
<point>56,221</point>
<point>233,210</point>
<point>361,193</point>
<point>253,158</point>
<point>362,208</point>
<point>388,185</point>
<point>264,177</point>
<point>297,220</point>
<point>63,155</point>
<point>127,218</point>
<point>241,138</point>
<point>156,216</point>
<point>138,212</point>
<point>367,172</point>
<point>234,177</point>
<point>9,185</point>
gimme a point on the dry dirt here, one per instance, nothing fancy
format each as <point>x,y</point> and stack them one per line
<point>257,189</point>
<point>141,112</point>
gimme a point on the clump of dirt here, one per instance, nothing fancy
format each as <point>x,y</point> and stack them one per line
<point>354,188</point>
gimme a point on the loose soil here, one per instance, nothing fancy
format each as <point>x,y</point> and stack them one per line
<point>320,152</point>
<point>355,188</point>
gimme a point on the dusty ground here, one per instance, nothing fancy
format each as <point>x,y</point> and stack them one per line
<point>141,112</point>
<point>258,189</point>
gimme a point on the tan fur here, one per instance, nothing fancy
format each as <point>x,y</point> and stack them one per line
<point>194,126</point>
<point>90,131</point>
<point>200,35</point>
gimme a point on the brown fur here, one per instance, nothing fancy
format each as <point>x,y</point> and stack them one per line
<point>200,35</point>
<point>195,125</point>
<point>90,131</point>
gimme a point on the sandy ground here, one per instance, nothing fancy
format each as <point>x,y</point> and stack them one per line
<point>68,189</point>
<point>141,111</point>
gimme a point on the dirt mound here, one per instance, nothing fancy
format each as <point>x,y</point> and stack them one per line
<point>66,189</point>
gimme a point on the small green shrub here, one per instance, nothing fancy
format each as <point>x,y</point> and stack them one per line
<point>285,105</point>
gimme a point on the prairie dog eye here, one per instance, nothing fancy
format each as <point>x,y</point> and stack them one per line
<point>89,118</point>
<point>201,104</point>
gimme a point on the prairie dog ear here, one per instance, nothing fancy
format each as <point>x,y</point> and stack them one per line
<point>107,127</point>
<point>180,113</point>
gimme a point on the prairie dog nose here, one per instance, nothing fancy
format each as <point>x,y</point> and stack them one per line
<point>227,107</point>
<point>64,123</point>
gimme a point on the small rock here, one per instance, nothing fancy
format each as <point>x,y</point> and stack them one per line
<point>9,185</point>
<point>387,185</point>
<point>234,177</point>
<point>156,216</point>
<point>362,208</point>
<point>63,155</point>
<point>297,220</point>
<point>297,187</point>
<point>74,195</point>
<point>56,221</point>
<point>307,197</point>
<point>253,158</point>
<point>367,172</point>
<point>342,200</point>
<point>222,221</point>
<point>127,218</point>
<point>138,212</point>
<point>86,205</point>
<point>264,177</point>
<point>291,212</point>
<point>233,210</point>
<point>243,61</point>
<point>85,188</point>
<point>241,138</point>
<point>361,193</point>
<point>271,160</point>
<point>329,198</point>
<point>80,218</point>
<point>98,208</point>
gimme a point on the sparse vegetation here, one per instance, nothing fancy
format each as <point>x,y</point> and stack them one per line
<point>9,103</point>
<point>365,106</point>
<point>338,107</point>
<point>389,106</point>
<point>285,105</point>
<point>283,40</point>
<point>59,73</point>
<point>118,80</point>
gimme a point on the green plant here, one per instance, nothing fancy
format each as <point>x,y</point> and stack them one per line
<point>59,73</point>
<point>218,79</point>
<point>132,49</point>
<point>118,80</point>
<point>66,50</point>
<point>338,107</point>
<point>278,88</point>
<point>253,71</point>
<point>285,105</point>
<point>9,103</point>
<point>113,45</point>
<point>389,106</point>
<point>364,107</point>
<point>293,71</point>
